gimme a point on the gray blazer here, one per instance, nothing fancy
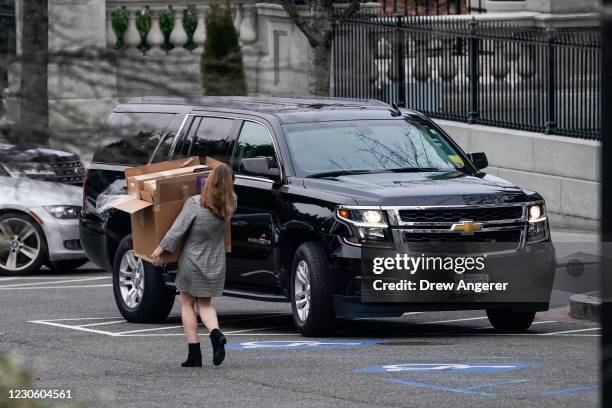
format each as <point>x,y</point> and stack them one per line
<point>201,265</point>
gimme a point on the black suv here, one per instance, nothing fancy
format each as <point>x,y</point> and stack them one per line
<point>318,181</point>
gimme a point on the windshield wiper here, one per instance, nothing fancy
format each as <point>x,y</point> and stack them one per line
<point>337,173</point>
<point>415,169</point>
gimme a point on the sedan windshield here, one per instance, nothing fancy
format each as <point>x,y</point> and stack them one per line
<point>328,149</point>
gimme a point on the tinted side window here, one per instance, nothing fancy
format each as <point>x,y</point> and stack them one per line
<point>213,137</point>
<point>254,141</point>
<point>131,138</point>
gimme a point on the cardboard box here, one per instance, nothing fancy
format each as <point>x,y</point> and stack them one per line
<point>159,192</point>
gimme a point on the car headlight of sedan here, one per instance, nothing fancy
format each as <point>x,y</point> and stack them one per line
<point>367,225</point>
<point>538,223</point>
<point>64,212</point>
<point>30,169</point>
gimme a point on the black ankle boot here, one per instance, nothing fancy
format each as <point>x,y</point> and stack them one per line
<point>194,358</point>
<point>218,344</point>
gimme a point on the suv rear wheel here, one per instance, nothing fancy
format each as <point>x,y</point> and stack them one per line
<point>140,293</point>
<point>510,321</point>
<point>310,287</point>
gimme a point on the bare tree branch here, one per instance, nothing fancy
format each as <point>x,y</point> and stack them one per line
<point>291,9</point>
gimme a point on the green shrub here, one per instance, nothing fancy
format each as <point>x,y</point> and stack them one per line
<point>190,23</point>
<point>119,20</point>
<point>166,24</point>
<point>143,24</point>
<point>221,66</point>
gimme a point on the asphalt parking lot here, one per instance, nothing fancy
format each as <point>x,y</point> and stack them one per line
<point>67,329</point>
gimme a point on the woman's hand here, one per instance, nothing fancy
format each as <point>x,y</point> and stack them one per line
<point>156,256</point>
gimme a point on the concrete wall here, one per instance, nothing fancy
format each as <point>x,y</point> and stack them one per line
<point>566,171</point>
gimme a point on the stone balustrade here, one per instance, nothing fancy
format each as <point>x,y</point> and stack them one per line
<point>179,39</point>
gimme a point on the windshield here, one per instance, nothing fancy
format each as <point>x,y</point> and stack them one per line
<point>365,146</point>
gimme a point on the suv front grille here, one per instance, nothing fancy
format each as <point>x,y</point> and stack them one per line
<point>488,241</point>
<point>513,235</point>
<point>435,229</point>
<point>459,214</point>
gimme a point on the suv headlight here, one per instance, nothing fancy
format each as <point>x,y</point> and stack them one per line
<point>367,225</point>
<point>64,212</point>
<point>538,223</point>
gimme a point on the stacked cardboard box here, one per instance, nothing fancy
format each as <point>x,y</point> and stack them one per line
<point>159,191</point>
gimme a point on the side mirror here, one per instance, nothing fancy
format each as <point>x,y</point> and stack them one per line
<point>479,160</point>
<point>260,166</point>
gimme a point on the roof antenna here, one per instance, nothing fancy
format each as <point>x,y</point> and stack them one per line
<point>395,111</point>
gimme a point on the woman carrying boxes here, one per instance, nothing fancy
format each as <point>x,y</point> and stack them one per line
<point>201,267</point>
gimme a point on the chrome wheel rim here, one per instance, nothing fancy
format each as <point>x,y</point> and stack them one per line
<point>19,244</point>
<point>301,287</point>
<point>131,279</point>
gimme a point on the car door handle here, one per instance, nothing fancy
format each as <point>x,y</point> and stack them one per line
<point>239,223</point>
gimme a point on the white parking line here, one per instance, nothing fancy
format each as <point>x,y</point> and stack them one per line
<point>102,285</point>
<point>257,329</point>
<point>102,323</point>
<point>571,331</point>
<point>67,326</point>
<point>74,319</point>
<point>54,277</point>
<point>148,330</point>
<point>54,282</point>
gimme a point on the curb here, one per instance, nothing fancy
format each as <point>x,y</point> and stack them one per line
<point>585,306</point>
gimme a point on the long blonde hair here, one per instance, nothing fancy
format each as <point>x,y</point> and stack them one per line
<point>217,192</point>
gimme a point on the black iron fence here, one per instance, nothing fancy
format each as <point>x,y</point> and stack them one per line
<point>7,29</point>
<point>493,73</point>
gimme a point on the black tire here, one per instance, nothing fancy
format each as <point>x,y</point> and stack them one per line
<point>509,321</point>
<point>156,302</point>
<point>67,266</point>
<point>40,258</point>
<point>320,319</point>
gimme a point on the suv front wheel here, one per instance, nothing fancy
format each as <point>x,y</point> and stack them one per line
<point>140,293</point>
<point>510,321</point>
<point>310,287</point>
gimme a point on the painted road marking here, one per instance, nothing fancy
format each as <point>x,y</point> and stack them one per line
<point>105,285</point>
<point>69,323</point>
<point>571,331</point>
<point>14,285</point>
<point>54,277</point>
<point>148,330</point>
<point>301,344</point>
<point>445,368</point>
<point>432,383</point>
<point>466,390</point>
<point>102,323</point>
<point>574,390</point>
<point>257,329</point>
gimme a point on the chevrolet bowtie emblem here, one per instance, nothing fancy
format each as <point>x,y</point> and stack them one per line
<point>466,227</point>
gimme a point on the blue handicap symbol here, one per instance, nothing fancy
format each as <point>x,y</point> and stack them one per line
<point>479,389</point>
<point>301,344</point>
<point>444,368</point>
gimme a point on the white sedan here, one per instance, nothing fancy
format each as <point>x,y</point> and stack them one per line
<point>39,225</point>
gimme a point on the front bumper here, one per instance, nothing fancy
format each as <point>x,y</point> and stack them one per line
<point>62,236</point>
<point>536,269</point>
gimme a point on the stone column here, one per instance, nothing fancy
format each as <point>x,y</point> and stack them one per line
<point>199,36</point>
<point>178,36</point>
<point>132,36</point>
<point>155,37</point>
